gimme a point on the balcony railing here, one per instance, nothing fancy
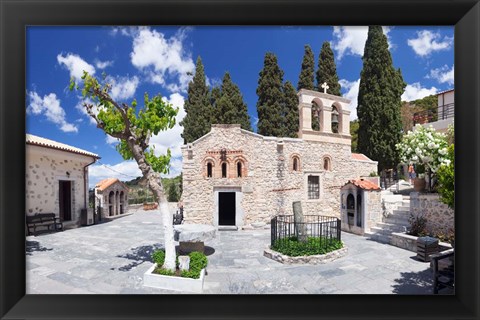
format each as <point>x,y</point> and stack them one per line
<point>444,112</point>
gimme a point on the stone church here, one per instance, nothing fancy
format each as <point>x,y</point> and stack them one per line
<point>233,177</point>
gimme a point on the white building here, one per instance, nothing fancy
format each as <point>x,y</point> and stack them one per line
<point>56,177</point>
<point>112,197</point>
<point>445,111</point>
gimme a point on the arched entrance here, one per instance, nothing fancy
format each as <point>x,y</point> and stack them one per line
<point>122,202</point>
<point>111,203</point>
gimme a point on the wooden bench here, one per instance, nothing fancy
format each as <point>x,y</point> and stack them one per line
<point>43,220</point>
<point>443,271</point>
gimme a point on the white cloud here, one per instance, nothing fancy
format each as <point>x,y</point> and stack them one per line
<point>351,93</point>
<point>76,65</point>
<point>160,58</point>
<point>443,74</point>
<point>123,87</point>
<point>171,138</point>
<point>415,91</point>
<point>125,171</point>
<point>428,42</point>
<point>111,140</point>
<point>50,107</point>
<point>351,40</point>
<point>103,64</point>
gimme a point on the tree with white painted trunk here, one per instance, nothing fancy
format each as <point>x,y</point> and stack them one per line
<point>134,128</point>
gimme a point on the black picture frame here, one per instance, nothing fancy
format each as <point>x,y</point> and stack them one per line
<point>16,15</point>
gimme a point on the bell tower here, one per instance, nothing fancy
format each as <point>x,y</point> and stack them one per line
<point>331,112</point>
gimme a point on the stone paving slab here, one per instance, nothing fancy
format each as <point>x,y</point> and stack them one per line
<point>111,257</point>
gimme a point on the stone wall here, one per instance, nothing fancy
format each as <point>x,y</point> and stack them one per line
<point>45,167</point>
<point>269,184</point>
<point>440,218</point>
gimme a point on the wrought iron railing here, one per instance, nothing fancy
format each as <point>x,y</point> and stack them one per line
<point>446,111</point>
<point>313,232</point>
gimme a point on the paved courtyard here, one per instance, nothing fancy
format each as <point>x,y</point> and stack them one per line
<point>111,257</point>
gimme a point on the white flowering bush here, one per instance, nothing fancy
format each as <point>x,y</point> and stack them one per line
<point>424,146</point>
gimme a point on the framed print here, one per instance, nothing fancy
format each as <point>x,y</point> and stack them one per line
<point>251,184</point>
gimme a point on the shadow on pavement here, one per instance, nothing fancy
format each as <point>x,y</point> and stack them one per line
<point>414,283</point>
<point>139,255</point>
<point>33,246</point>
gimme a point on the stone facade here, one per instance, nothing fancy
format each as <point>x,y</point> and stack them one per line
<point>267,174</point>
<point>440,218</point>
<point>47,170</point>
<point>112,196</point>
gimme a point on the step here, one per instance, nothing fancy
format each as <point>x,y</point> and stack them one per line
<point>227,228</point>
<point>378,237</point>
<point>391,227</point>
<point>378,230</point>
<point>397,221</point>
<point>404,208</point>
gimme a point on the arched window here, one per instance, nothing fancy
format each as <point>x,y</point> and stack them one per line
<point>295,164</point>
<point>209,170</point>
<point>335,119</point>
<point>327,164</point>
<point>224,170</point>
<point>316,112</point>
<point>239,169</point>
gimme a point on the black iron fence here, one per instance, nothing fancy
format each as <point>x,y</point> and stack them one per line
<point>313,234</point>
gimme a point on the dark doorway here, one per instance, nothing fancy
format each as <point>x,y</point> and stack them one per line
<point>359,210</point>
<point>226,208</point>
<point>65,200</point>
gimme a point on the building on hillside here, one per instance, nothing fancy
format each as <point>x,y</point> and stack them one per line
<point>445,112</point>
<point>56,177</point>
<point>235,177</point>
<point>112,197</point>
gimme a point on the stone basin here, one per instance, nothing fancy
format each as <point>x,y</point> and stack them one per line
<point>193,236</point>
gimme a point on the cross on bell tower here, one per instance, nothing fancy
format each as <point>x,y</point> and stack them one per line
<point>325,87</point>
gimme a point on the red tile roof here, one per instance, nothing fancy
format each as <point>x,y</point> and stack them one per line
<point>360,156</point>
<point>364,184</point>
<point>105,183</point>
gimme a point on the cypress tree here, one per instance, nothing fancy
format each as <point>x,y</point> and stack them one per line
<point>197,121</point>
<point>379,102</point>
<point>229,105</point>
<point>290,110</point>
<point>307,74</point>
<point>270,98</point>
<point>327,71</point>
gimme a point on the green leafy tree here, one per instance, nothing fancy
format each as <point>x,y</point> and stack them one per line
<point>446,179</point>
<point>327,70</point>
<point>291,110</point>
<point>354,134</point>
<point>172,193</point>
<point>134,129</point>
<point>307,73</point>
<point>197,121</point>
<point>229,105</point>
<point>270,98</point>
<point>379,102</point>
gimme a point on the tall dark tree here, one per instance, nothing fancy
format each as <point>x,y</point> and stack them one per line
<point>379,102</point>
<point>229,105</point>
<point>197,121</point>
<point>270,98</point>
<point>327,71</point>
<point>290,110</point>
<point>307,74</point>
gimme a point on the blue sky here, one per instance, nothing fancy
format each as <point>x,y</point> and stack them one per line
<point>158,60</point>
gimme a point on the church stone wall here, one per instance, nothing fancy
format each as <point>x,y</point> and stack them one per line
<point>269,184</point>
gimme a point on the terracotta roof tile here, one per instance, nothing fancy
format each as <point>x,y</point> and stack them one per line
<point>43,142</point>
<point>364,184</point>
<point>360,156</point>
<point>105,183</point>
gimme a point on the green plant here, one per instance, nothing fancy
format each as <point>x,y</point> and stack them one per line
<point>418,225</point>
<point>158,257</point>
<point>373,174</point>
<point>446,179</point>
<point>314,245</point>
<point>164,272</point>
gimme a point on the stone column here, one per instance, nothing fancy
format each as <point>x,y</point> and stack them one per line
<point>326,120</point>
<point>345,115</point>
<point>305,116</point>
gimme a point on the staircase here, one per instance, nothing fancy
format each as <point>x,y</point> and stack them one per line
<point>395,222</point>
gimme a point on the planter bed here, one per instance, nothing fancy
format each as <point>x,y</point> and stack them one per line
<point>408,242</point>
<point>313,259</point>
<point>175,283</point>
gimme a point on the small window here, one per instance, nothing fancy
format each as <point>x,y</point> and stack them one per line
<point>209,170</point>
<point>327,164</point>
<point>295,164</point>
<point>224,170</point>
<point>313,187</point>
<point>239,169</point>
